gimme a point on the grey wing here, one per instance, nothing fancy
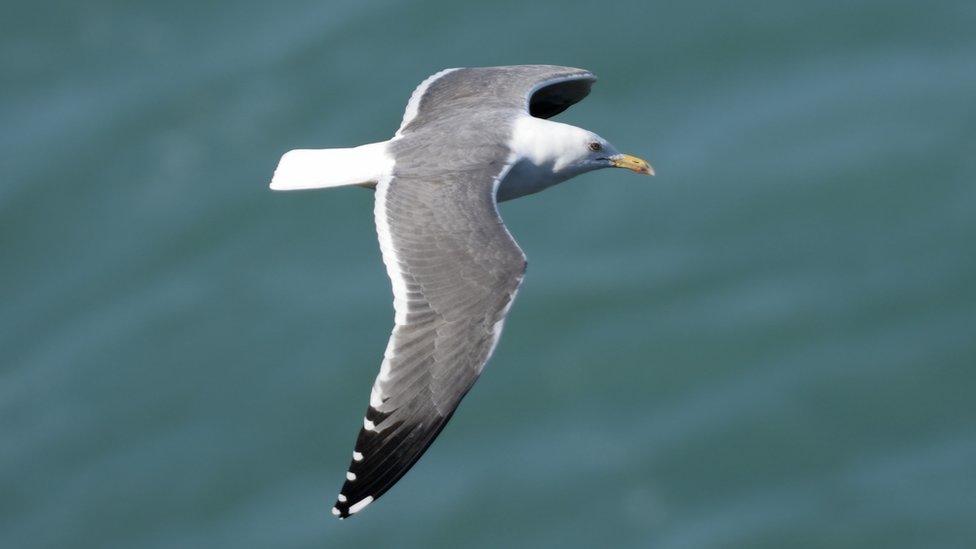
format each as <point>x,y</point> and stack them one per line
<point>543,90</point>
<point>455,270</point>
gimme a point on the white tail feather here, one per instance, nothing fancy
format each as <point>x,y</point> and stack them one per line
<point>321,168</point>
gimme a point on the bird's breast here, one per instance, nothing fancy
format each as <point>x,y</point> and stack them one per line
<point>525,178</point>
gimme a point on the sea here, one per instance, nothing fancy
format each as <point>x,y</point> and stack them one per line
<point>770,344</point>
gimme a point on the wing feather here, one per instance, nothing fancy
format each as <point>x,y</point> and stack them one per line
<point>455,270</point>
<point>542,90</point>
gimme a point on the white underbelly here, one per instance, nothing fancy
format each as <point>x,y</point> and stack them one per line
<point>526,178</point>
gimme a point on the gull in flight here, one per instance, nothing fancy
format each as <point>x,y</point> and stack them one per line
<point>470,138</point>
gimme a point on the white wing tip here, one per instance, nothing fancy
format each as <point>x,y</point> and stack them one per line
<point>359,506</point>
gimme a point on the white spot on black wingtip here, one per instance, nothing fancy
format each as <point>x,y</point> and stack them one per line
<point>368,425</point>
<point>356,456</point>
<point>335,511</point>
<point>359,506</point>
<point>350,476</point>
<point>375,398</point>
<point>342,498</point>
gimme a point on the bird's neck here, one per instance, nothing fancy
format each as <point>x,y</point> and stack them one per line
<point>541,157</point>
<point>547,145</point>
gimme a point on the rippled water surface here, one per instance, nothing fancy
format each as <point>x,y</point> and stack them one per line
<point>771,344</point>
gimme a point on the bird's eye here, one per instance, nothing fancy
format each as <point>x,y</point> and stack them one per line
<point>596,146</point>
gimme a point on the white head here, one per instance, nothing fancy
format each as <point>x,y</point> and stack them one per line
<point>569,151</point>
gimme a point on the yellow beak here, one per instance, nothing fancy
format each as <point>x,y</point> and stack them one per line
<point>631,163</point>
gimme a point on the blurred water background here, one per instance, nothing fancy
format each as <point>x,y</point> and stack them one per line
<point>771,344</point>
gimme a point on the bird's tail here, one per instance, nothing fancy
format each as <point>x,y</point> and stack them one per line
<point>320,168</point>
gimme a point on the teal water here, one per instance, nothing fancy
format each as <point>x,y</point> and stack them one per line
<point>771,344</point>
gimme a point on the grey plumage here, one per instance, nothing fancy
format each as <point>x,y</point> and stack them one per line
<point>458,263</point>
<point>543,90</point>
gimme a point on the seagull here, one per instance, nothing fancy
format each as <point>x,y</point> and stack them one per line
<point>470,138</point>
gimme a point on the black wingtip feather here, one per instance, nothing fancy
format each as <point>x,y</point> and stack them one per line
<point>367,482</point>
